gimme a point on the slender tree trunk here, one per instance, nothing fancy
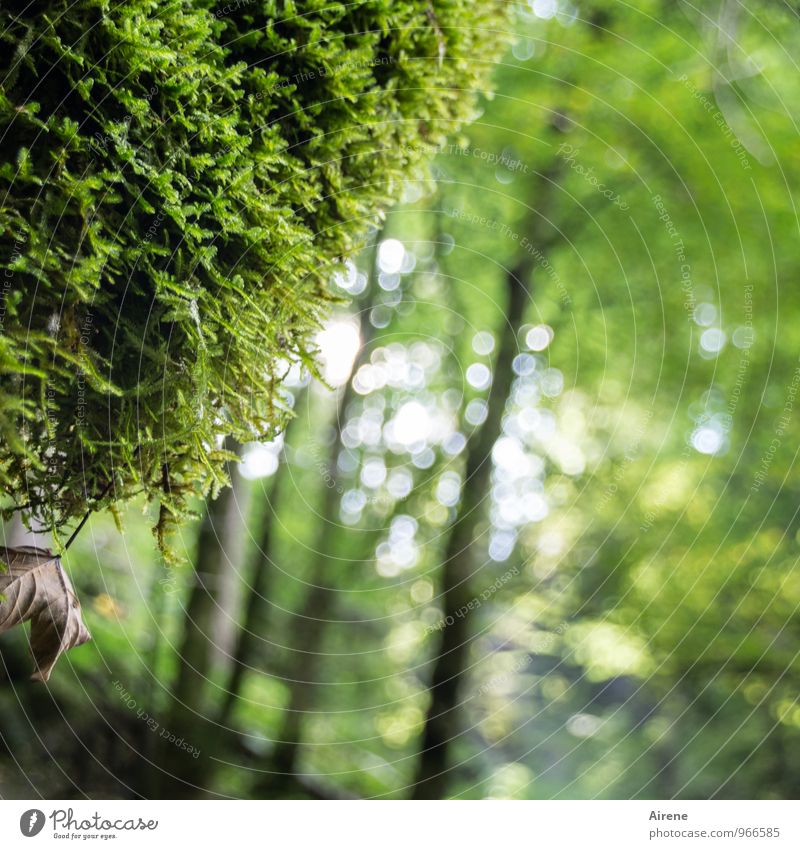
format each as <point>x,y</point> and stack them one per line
<point>248,638</point>
<point>220,549</point>
<point>308,624</point>
<point>451,654</point>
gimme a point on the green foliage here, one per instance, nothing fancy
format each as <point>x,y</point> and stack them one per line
<point>645,643</point>
<point>178,182</point>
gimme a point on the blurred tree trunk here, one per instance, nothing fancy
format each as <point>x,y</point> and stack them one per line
<point>451,654</point>
<point>256,611</point>
<point>308,623</point>
<point>248,637</point>
<point>220,548</point>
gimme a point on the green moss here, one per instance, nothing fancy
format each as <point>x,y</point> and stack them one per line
<point>178,181</point>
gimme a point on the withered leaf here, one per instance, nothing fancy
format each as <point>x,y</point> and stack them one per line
<point>35,586</point>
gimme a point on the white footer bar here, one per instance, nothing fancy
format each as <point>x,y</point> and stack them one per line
<point>402,825</point>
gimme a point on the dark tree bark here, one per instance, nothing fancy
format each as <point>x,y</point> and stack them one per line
<point>220,550</point>
<point>248,637</point>
<point>451,654</point>
<point>308,624</point>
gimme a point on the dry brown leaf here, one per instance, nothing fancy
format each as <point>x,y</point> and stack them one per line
<point>35,586</point>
